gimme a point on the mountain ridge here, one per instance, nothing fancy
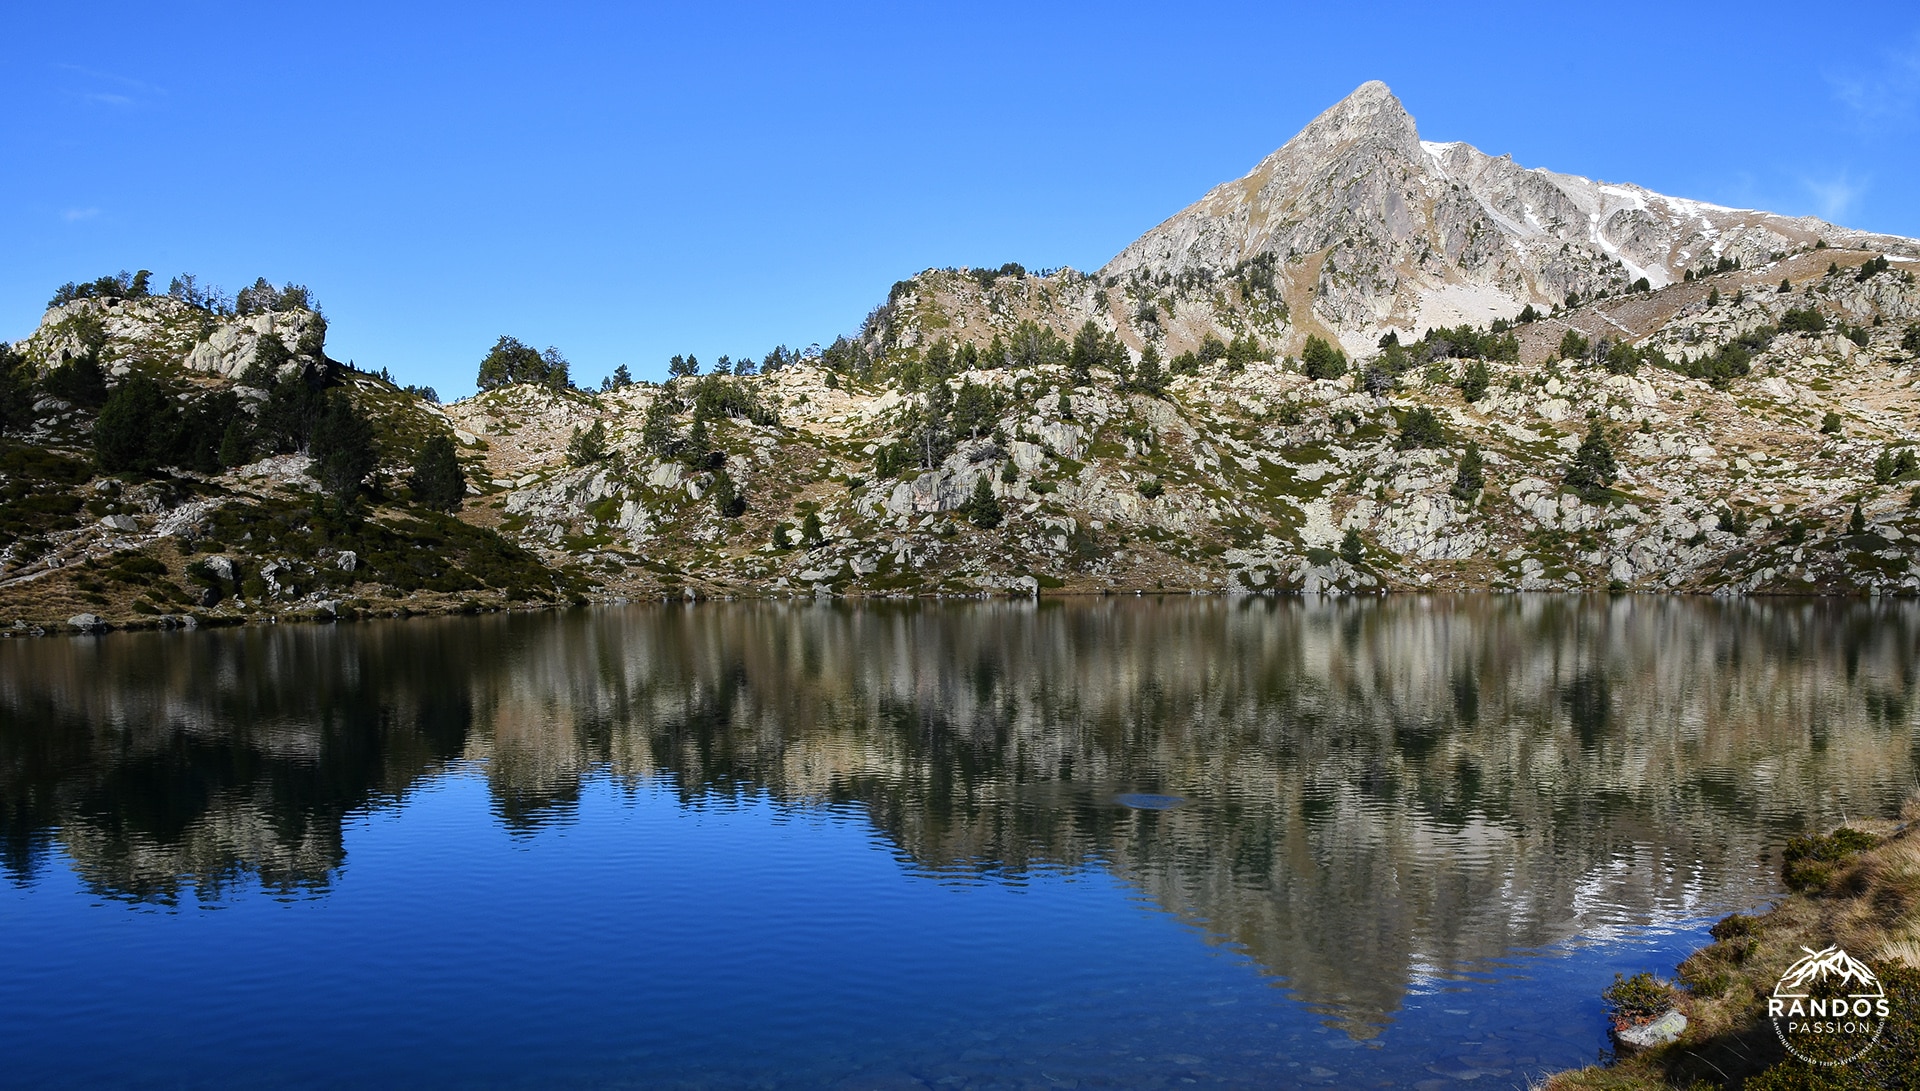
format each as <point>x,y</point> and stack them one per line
<point>1493,222</point>
<point>1217,410</point>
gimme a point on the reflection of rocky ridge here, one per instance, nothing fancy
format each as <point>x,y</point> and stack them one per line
<point>1381,791</point>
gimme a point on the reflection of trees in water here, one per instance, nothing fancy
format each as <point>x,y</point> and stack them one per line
<point>1382,789</point>
<point>169,761</point>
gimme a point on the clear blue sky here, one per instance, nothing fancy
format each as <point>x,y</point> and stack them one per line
<point>627,182</point>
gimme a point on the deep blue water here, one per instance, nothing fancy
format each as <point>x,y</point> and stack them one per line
<point>1164,845</point>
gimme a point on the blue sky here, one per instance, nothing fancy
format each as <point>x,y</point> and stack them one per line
<point>627,182</point>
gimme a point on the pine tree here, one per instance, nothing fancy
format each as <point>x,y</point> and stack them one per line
<point>656,431</point>
<point>1420,428</point>
<point>135,426</point>
<point>342,446</point>
<point>1352,549</point>
<point>726,496</point>
<point>983,508</point>
<point>697,451</point>
<point>1086,352</point>
<point>514,361</point>
<point>1473,385</point>
<point>16,390</point>
<point>1857,522</point>
<point>1150,378</point>
<point>1323,360</point>
<point>1593,468</point>
<point>1471,477</point>
<point>973,410</point>
<point>780,539</point>
<point>588,447</point>
<point>810,531</point>
<point>437,479</point>
<point>1573,346</point>
<point>236,442</point>
<point>268,354</point>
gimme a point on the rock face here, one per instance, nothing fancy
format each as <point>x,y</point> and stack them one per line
<point>158,330</point>
<point>1380,230</point>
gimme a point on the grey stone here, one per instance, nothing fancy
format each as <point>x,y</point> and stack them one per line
<point>87,623</point>
<point>1660,1032</point>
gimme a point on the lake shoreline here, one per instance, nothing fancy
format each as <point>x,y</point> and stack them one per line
<point>348,612</point>
<point>1867,902</point>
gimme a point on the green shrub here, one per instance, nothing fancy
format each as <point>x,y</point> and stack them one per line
<point>1803,320</point>
<point>1735,926</point>
<point>1152,488</point>
<point>1634,1000</point>
<point>1809,864</point>
<point>1421,429</point>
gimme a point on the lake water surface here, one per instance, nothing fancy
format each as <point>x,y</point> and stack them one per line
<point>1113,843</point>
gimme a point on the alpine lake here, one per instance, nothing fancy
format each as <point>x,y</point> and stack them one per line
<point>1103,843</point>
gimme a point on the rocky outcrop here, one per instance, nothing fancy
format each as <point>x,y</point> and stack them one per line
<point>158,331</point>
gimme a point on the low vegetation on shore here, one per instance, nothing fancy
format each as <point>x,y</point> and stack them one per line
<point>1857,888</point>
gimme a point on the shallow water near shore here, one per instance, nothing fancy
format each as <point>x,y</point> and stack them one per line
<point>1249,842</point>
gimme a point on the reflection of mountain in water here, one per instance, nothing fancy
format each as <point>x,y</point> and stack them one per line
<point>1380,790</point>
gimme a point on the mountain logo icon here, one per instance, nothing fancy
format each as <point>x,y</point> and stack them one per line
<point>1828,1008</point>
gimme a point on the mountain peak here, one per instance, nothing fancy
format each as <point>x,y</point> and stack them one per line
<point>1371,110</point>
<point>1371,230</point>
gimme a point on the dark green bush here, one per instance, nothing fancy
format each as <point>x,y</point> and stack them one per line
<point>1809,863</point>
<point>1421,429</point>
<point>1803,320</point>
<point>1636,999</point>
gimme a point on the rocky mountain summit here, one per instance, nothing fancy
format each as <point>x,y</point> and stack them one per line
<point>1356,227</point>
<point>1370,364</point>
